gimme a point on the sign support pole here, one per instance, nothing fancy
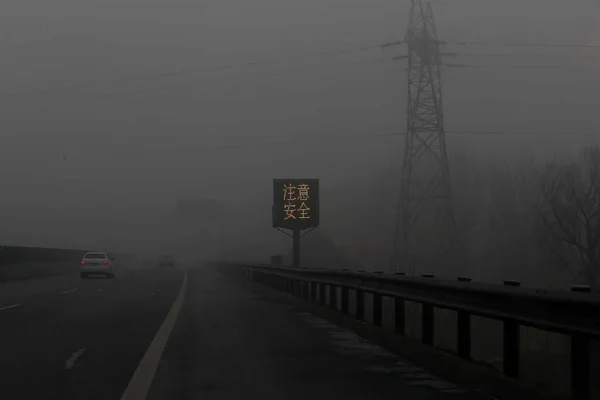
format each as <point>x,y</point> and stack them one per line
<point>295,210</point>
<point>296,237</point>
<point>222,235</point>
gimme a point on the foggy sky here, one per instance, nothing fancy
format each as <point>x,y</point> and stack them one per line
<point>82,79</point>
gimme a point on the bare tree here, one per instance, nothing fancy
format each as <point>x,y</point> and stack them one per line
<point>510,218</point>
<point>569,209</point>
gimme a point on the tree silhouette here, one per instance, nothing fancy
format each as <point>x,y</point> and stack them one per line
<point>569,209</point>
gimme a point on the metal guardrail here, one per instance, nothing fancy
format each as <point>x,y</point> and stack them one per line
<point>574,313</point>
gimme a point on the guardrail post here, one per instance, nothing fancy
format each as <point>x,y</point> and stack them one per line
<point>463,335</point>
<point>377,310</point>
<point>427,324</point>
<point>360,305</point>
<point>580,367</point>
<point>345,299</point>
<point>333,296</point>
<point>322,290</point>
<point>399,316</point>
<point>511,349</point>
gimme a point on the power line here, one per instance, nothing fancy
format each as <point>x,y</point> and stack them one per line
<point>277,74</point>
<point>268,74</point>
<point>41,105</point>
<point>517,66</point>
<point>509,66</point>
<point>340,140</point>
<point>504,44</point>
<point>196,70</point>
<point>523,133</point>
<point>307,140</point>
<point>528,54</point>
<point>517,44</point>
<point>313,141</point>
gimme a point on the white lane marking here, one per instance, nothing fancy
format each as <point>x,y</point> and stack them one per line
<point>70,363</point>
<point>69,290</point>
<point>11,306</point>
<point>144,374</point>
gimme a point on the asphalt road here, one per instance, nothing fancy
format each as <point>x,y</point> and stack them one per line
<point>68,338</point>
<point>237,341</point>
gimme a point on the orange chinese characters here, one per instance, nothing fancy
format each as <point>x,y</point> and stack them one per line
<point>303,209</point>
<point>289,192</point>
<point>289,211</point>
<point>303,192</point>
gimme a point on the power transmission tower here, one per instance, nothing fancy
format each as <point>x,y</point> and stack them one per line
<point>426,226</point>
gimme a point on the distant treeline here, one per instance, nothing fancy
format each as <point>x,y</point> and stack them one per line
<point>22,254</point>
<point>19,254</point>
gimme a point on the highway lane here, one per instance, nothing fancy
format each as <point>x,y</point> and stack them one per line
<point>80,339</point>
<point>14,292</point>
<point>238,341</point>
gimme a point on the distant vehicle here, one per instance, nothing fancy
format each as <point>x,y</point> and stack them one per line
<point>97,263</point>
<point>166,261</point>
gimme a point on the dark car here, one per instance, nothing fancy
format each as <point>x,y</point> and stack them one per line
<point>166,261</point>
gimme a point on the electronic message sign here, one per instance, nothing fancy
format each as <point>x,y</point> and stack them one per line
<point>295,203</point>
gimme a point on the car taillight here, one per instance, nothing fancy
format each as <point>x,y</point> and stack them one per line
<point>105,261</point>
<point>82,262</point>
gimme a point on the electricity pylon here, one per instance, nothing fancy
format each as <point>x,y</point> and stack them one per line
<point>426,222</point>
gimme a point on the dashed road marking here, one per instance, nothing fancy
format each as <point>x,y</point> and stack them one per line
<point>70,362</point>
<point>144,374</point>
<point>69,290</point>
<point>10,307</point>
